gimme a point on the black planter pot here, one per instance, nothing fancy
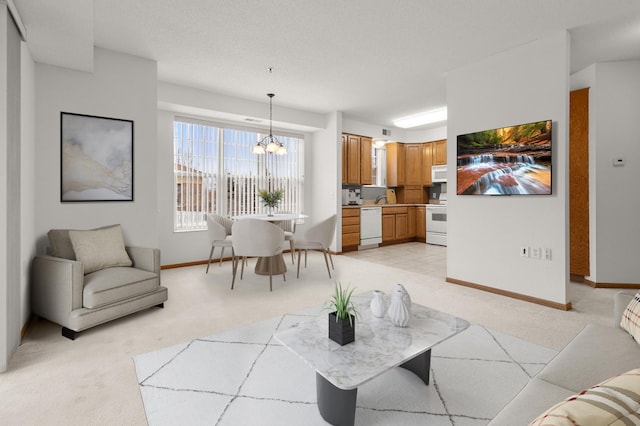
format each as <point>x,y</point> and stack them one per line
<point>341,331</point>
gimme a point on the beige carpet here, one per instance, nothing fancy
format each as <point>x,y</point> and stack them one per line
<point>52,380</point>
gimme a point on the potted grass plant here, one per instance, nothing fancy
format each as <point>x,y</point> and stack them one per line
<point>342,315</point>
<point>271,199</point>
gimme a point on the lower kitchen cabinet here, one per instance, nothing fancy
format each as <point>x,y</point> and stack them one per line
<point>350,229</point>
<point>388,227</point>
<point>421,224</point>
<point>411,222</point>
<point>398,224</point>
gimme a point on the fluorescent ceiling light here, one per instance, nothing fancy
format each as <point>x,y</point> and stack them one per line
<point>420,119</point>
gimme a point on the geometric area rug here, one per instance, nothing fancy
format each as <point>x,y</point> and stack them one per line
<point>246,377</point>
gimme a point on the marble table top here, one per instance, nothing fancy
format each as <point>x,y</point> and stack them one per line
<point>379,345</point>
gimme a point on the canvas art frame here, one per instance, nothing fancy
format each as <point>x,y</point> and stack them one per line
<point>96,158</point>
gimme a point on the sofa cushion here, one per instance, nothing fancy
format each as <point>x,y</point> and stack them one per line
<point>111,285</point>
<point>614,401</point>
<point>631,318</point>
<point>99,248</point>
<point>532,400</point>
<point>595,354</point>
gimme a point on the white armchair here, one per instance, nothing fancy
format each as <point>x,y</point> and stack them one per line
<point>94,279</point>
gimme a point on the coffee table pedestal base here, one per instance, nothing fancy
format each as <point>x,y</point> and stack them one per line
<point>420,366</point>
<point>338,406</point>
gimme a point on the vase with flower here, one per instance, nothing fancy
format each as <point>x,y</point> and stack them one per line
<point>271,199</point>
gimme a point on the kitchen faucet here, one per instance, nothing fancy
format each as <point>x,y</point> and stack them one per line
<point>380,197</point>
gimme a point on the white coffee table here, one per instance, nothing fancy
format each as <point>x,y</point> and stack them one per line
<point>378,347</point>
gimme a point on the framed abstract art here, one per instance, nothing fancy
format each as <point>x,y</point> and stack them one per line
<point>96,155</point>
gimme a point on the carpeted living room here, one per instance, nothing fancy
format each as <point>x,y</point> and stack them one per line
<point>119,372</point>
<point>492,252</point>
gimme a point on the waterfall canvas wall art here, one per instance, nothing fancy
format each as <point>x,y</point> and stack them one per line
<point>513,160</point>
<point>96,158</point>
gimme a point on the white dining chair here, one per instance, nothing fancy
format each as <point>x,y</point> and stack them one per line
<point>219,229</point>
<point>254,237</point>
<point>289,228</point>
<point>318,237</point>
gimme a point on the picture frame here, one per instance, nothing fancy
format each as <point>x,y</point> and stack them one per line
<point>96,158</point>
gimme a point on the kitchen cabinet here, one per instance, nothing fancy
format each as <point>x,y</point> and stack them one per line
<point>396,162</point>
<point>366,170</point>
<point>350,229</point>
<point>396,224</point>
<point>427,162</point>
<point>440,153</point>
<point>411,194</point>
<point>388,227</point>
<point>356,160</point>
<point>411,222</point>
<point>413,167</point>
<point>421,224</point>
<point>344,158</point>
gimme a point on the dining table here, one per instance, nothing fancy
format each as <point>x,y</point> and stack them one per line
<point>262,265</point>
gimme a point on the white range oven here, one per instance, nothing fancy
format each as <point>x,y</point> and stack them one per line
<point>437,224</point>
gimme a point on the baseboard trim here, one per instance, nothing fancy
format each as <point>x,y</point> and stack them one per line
<point>513,295</point>
<point>611,285</point>
<point>25,327</point>
<point>185,264</point>
<point>576,278</point>
<point>201,262</point>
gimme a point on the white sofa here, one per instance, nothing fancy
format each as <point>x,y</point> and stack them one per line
<point>594,355</point>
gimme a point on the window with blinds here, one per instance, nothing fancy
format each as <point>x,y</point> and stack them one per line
<point>216,172</point>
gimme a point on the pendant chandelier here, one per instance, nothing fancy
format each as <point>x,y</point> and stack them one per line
<point>269,143</point>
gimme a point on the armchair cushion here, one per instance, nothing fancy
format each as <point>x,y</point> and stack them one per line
<point>99,248</point>
<point>111,285</point>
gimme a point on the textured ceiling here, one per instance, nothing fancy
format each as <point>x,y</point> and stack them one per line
<point>374,60</point>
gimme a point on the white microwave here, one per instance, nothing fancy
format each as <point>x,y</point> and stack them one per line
<point>439,174</point>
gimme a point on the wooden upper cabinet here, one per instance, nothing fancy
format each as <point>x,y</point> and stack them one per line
<point>440,152</point>
<point>356,160</point>
<point>427,162</point>
<point>353,159</point>
<point>344,158</point>
<point>396,164</point>
<point>366,170</point>
<point>413,153</point>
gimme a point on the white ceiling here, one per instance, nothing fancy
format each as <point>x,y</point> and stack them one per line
<point>374,60</point>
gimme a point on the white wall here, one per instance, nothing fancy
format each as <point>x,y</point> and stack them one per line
<point>529,83</point>
<point>426,135</point>
<point>175,100</point>
<point>357,127</point>
<point>325,175</point>
<point>27,178</point>
<point>616,108</point>
<point>121,86</point>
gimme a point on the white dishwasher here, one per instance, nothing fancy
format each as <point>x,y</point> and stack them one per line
<point>370,226</point>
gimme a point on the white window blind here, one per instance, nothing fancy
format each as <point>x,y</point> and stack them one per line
<point>216,172</point>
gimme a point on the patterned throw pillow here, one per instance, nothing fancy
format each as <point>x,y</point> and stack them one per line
<point>616,401</point>
<point>631,317</point>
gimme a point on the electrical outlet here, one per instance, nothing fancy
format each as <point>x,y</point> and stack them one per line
<point>535,252</point>
<point>546,255</point>
<point>524,251</point>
